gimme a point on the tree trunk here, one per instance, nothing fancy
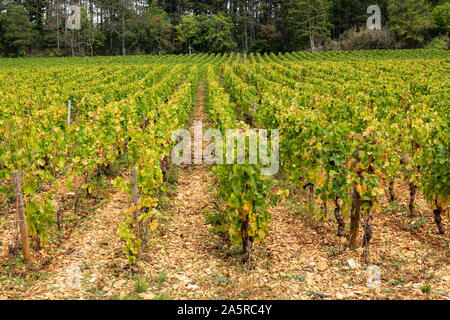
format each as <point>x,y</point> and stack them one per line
<point>21,218</point>
<point>325,209</point>
<point>123,36</point>
<point>311,196</point>
<point>59,218</point>
<point>57,25</point>
<point>368,227</point>
<point>77,199</point>
<point>247,245</point>
<point>412,198</point>
<point>72,44</point>
<point>11,250</point>
<point>311,41</point>
<point>78,43</point>
<point>339,218</point>
<point>355,218</point>
<point>391,191</point>
<point>311,38</point>
<point>438,219</point>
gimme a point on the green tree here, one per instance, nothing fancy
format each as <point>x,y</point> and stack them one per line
<point>271,38</point>
<point>441,16</point>
<point>411,20</point>
<point>36,10</point>
<point>309,19</point>
<point>187,30</point>
<point>15,29</point>
<point>214,34</point>
<point>90,35</point>
<point>152,30</point>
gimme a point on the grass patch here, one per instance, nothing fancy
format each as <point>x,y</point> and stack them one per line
<point>162,296</point>
<point>298,277</point>
<point>161,277</point>
<point>141,285</point>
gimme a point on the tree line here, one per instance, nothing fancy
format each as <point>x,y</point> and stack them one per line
<point>113,27</point>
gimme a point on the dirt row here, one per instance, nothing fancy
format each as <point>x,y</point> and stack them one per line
<point>302,258</point>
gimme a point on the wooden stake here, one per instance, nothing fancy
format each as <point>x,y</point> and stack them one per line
<point>254,107</point>
<point>134,199</point>
<point>134,186</point>
<point>21,220</point>
<point>69,111</point>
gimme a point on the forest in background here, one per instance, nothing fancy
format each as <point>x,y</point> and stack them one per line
<point>125,27</point>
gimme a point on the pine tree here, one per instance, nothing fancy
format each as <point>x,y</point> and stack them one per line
<point>309,19</point>
<point>410,20</point>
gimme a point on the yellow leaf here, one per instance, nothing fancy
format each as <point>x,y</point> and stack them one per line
<point>348,164</point>
<point>153,225</point>
<point>362,189</point>
<point>247,207</point>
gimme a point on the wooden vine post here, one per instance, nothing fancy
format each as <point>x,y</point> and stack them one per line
<point>21,219</point>
<point>69,111</point>
<point>134,200</point>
